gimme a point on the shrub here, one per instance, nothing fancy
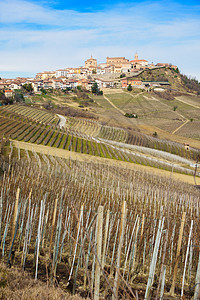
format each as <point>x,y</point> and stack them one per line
<point>130,115</point>
<point>129,88</point>
<point>155,134</point>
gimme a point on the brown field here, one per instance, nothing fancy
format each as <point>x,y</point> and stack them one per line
<point>89,158</point>
<point>191,130</point>
<point>164,124</point>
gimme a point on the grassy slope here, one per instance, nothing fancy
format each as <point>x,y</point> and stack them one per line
<point>16,284</point>
<point>163,74</point>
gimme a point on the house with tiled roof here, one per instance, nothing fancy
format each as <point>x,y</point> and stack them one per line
<point>137,63</point>
<point>8,93</point>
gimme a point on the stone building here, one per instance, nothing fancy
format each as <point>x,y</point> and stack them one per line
<point>116,61</point>
<point>91,64</point>
<point>137,63</point>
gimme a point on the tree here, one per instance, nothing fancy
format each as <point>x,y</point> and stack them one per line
<point>155,134</point>
<point>18,97</point>
<point>28,87</point>
<point>43,91</point>
<point>95,88</point>
<point>129,88</point>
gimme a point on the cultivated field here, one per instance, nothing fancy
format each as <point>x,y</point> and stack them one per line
<point>106,207</point>
<point>100,230</point>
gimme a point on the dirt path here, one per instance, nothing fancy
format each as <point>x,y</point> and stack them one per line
<point>89,158</point>
<point>195,106</point>
<point>120,110</point>
<point>180,127</point>
<point>120,91</point>
<point>62,121</point>
<point>184,118</point>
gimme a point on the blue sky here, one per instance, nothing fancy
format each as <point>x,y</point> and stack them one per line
<point>48,35</point>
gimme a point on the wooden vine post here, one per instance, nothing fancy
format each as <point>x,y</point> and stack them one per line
<point>178,254</point>
<point>154,259</point>
<point>197,282</point>
<point>98,252</point>
<point>121,238</point>
<point>15,214</point>
<point>105,238</point>
<point>53,224</point>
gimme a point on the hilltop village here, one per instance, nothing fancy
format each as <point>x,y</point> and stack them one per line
<point>117,72</point>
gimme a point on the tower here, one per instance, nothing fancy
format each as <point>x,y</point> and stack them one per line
<point>136,56</point>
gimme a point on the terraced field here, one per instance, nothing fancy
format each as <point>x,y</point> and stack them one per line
<point>85,136</point>
<point>32,114</point>
<point>44,134</point>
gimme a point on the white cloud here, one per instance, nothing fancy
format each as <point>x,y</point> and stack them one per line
<point>34,38</point>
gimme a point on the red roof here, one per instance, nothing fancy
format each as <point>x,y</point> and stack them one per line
<point>8,91</point>
<point>137,60</point>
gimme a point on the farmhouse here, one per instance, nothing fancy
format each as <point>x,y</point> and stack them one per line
<point>8,93</point>
<point>105,83</point>
<point>133,82</point>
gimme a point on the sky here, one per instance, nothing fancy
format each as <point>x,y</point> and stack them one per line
<point>47,35</point>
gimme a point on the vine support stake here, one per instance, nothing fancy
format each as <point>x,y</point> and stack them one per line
<point>99,246</point>
<point>178,254</point>
<point>121,238</point>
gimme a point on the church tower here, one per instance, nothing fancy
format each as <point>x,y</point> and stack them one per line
<point>136,56</point>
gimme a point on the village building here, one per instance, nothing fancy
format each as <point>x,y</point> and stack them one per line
<point>133,82</point>
<point>102,65</point>
<point>103,83</point>
<point>37,85</point>
<point>138,63</point>
<point>91,64</point>
<point>15,86</point>
<point>100,71</point>
<point>166,65</point>
<point>61,72</point>
<point>4,85</point>
<point>8,93</point>
<point>116,61</point>
<point>72,83</point>
<point>46,75</point>
<point>86,83</point>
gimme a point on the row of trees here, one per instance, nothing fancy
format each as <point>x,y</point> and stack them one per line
<point>191,83</point>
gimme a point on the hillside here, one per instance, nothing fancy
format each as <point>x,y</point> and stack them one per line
<point>60,204</point>
<point>100,196</point>
<point>178,81</point>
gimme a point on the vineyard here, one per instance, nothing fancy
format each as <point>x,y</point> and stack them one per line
<point>89,137</point>
<point>100,230</point>
<point>32,114</point>
<point>49,135</point>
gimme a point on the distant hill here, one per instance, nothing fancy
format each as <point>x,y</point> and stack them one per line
<point>177,80</point>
